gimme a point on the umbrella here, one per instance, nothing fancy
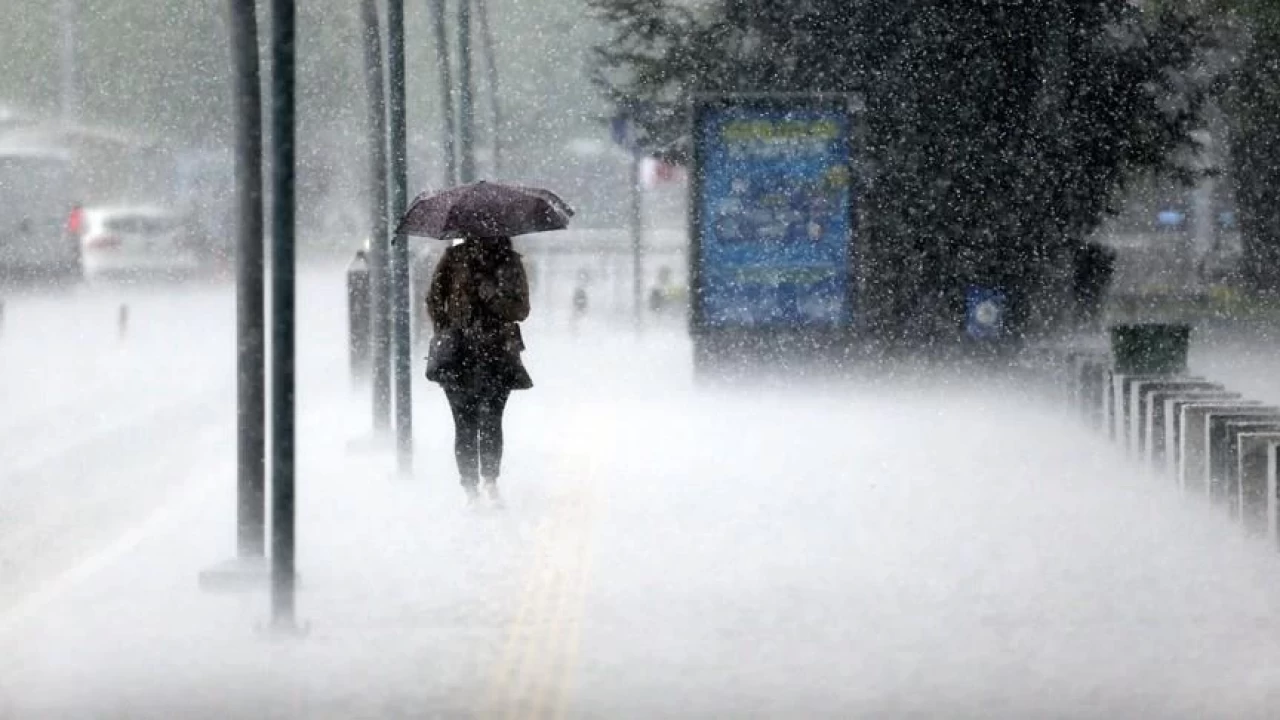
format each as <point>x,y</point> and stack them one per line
<point>485,209</point>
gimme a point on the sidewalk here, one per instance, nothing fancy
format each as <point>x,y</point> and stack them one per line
<point>853,551</point>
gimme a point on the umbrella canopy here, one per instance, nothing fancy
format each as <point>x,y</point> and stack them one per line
<point>485,209</point>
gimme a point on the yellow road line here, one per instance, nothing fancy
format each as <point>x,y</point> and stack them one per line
<point>557,640</point>
<point>534,677</point>
<point>573,634</point>
<point>535,589</point>
<point>542,633</point>
<point>603,444</point>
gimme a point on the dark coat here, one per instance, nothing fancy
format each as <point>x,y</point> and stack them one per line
<point>480,288</point>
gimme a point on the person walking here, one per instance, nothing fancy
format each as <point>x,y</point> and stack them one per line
<point>478,296</point>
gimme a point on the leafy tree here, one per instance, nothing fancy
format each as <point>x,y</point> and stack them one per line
<point>997,133</point>
<point>1253,103</point>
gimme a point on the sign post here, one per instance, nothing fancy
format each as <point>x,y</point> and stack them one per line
<point>249,567</point>
<point>624,134</point>
<point>379,250</point>
<point>400,287</point>
<point>283,579</point>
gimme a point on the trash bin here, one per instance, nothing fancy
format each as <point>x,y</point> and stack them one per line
<point>1150,348</point>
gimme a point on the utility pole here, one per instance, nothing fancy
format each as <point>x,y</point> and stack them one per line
<point>397,140</point>
<point>249,567</point>
<point>283,515</point>
<point>466,100</point>
<point>379,266</point>
<point>636,217</point>
<point>438,17</point>
<point>250,287</point>
<point>491,79</point>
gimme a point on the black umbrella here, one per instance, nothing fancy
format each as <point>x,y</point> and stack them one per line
<point>485,209</point>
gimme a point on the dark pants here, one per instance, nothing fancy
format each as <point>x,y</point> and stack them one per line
<point>477,423</point>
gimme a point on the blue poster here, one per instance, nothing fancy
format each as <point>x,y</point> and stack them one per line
<point>775,208</point>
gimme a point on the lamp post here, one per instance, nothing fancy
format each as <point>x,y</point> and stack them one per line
<point>402,334</point>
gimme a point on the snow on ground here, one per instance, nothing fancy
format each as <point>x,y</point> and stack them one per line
<point>927,547</point>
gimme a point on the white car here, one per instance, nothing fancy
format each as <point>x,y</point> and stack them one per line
<point>133,241</point>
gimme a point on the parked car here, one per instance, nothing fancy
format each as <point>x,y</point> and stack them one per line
<point>138,240</point>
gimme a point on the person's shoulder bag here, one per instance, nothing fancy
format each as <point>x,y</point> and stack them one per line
<point>444,353</point>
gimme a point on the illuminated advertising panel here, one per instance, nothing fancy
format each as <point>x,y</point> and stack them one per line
<point>774,208</point>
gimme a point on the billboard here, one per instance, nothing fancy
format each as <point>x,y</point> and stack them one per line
<point>773,208</point>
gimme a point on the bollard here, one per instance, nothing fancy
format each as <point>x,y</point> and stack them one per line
<point>359,331</point>
<point>1193,440</point>
<point>1220,448</point>
<point>1151,441</point>
<point>122,321</point>
<point>1252,454</point>
<point>1173,407</point>
<point>1273,495</point>
<point>1125,405</point>
<point>1135,414</point>
<point>1245,476</point>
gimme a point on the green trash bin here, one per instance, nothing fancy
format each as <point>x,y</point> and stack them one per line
<point>1150,348</point>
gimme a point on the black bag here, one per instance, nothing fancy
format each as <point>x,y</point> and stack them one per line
<point>444,354</point>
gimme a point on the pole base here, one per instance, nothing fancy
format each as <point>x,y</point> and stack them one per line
<point>377,441</point>
<point>237,575</point>
<point>282,629</point>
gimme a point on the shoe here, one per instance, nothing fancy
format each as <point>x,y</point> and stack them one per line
<point>489,489</point>
<point>473,496</point>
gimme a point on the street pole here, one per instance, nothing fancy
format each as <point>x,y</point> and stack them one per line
<point>438,18</point>
<point>379,275</point>
<point>491,79</point>
<point>248,569</point>
<point>283,575</point>
<point>70,100</point>
<point>400,244</point>
<point>636,223</point>
<point>251,346</point>
<point>466,100</point>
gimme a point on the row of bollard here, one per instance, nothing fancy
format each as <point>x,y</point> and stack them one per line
<point>1205,439</point>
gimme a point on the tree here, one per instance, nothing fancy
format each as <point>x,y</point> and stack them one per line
<point>997,133</point>
<point>1253,103</point>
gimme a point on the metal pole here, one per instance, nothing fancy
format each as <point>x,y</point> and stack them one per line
<point>70,71</point>
<point>251,391</point>
<point>466,101</point>
<point>438,13</point>
<point>491,78</point>
<point>397,139</point>
<point>637,238</point>
<point>282,304</point>
<point>379,275</point>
